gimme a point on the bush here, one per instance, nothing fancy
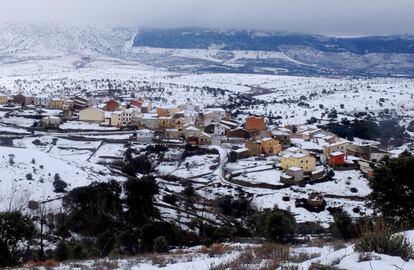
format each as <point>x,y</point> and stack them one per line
<point>276,225</point>
<point>16,229</point>
<point>393,189</point>
<point>59,186</point>
<point>160,244</point>
<point>170,199</point>
<point>384,242</point>
<point>233,156</point>
<point>343,227</point>
<point>62,251</point>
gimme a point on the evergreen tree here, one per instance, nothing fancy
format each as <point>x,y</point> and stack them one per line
<point>393,188</point>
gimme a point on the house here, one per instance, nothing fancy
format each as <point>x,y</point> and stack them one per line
<point>365,166</point>
<point>189,107</point>
<point>67,104</point>
<point>206,118</point>
<point>23,100</point>
<point>340,146</point>
<point>146,120</point>
<point>230,123</point>
<point>292,175</point>
<point>190,130</point>
<point>270,146</point>
<point>336,159</point>
<point>42,101</point>
<point>56,103</point>
<point>255,123</point>
<point>377,154</point>
<point>123,118</point>
<point>311,134</point>
<point>137,103</point>
<point>238,133</point>
<point>143,136</point>
<point>243,152</point>
<point>295,150</point>
<point>92,114</point>
<point>111,105</point>
<point>204,139</point>
<point>80,103</point>
<point>179,122</point>
<point>167,111</point>
<point>216,129</point>
<point>218,113</point>
<point>3,99</point>
<point>259,134</point>
<point>146,107</point>
<point>370,152</point>
<point>50,122</point>
<point>166,122</point>
<point>172,134</point>
<point>254,147</point>
<point>282,137</point>
<point>116,119</point>
<point>306,162</point>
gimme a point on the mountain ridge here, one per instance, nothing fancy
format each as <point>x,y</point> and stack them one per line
<point>209,50</point>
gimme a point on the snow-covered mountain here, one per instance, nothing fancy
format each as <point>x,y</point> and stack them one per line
<point>204,50</point>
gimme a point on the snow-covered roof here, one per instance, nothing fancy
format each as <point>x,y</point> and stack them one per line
<point>338,143</point>
<point>216,110</point>
<point>192,128</point>
<point>295,155</point>
<point>267,139</point>
<point>241,150</point>
<point>205,134</point>
<point>337,153</point>
<point>279,132</point>
<point>295,169</point>
<point>292,149</point>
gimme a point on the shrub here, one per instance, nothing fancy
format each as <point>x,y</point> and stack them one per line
<point>170,199</point>
<point>384,242</point>
<point>393,188</point>
<point>59,185</point>
<point>62,251</point>
<point>343,227</point>
<point>276,225</point>
<point>160,244</point>
<point>16,229</point>
<point>233,156</point>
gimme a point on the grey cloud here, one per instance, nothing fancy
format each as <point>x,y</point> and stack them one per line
<point>332,17</point>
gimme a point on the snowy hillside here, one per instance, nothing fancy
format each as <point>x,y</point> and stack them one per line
<point>49,47</point>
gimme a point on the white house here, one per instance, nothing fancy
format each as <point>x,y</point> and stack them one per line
<point>144,135</point>
<point>42,101</point>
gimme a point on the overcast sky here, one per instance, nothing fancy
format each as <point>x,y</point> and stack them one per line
<point>331,17</point>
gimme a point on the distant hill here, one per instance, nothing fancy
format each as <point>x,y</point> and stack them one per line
<point>46,46</point>
<point>200,38</point>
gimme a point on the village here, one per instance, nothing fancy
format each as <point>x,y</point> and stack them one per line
<point>301,153</point>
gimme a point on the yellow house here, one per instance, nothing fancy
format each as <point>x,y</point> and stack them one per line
<point>92,115</point>
<point>267,146</point>
<point>56,103</point>
<point>3,99</point>
<point>116,119</point>
<point>166,122</point>
<point>179,123</point>
<point>270,146</point>
<point>306,162</point>
<point>255,149</point>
